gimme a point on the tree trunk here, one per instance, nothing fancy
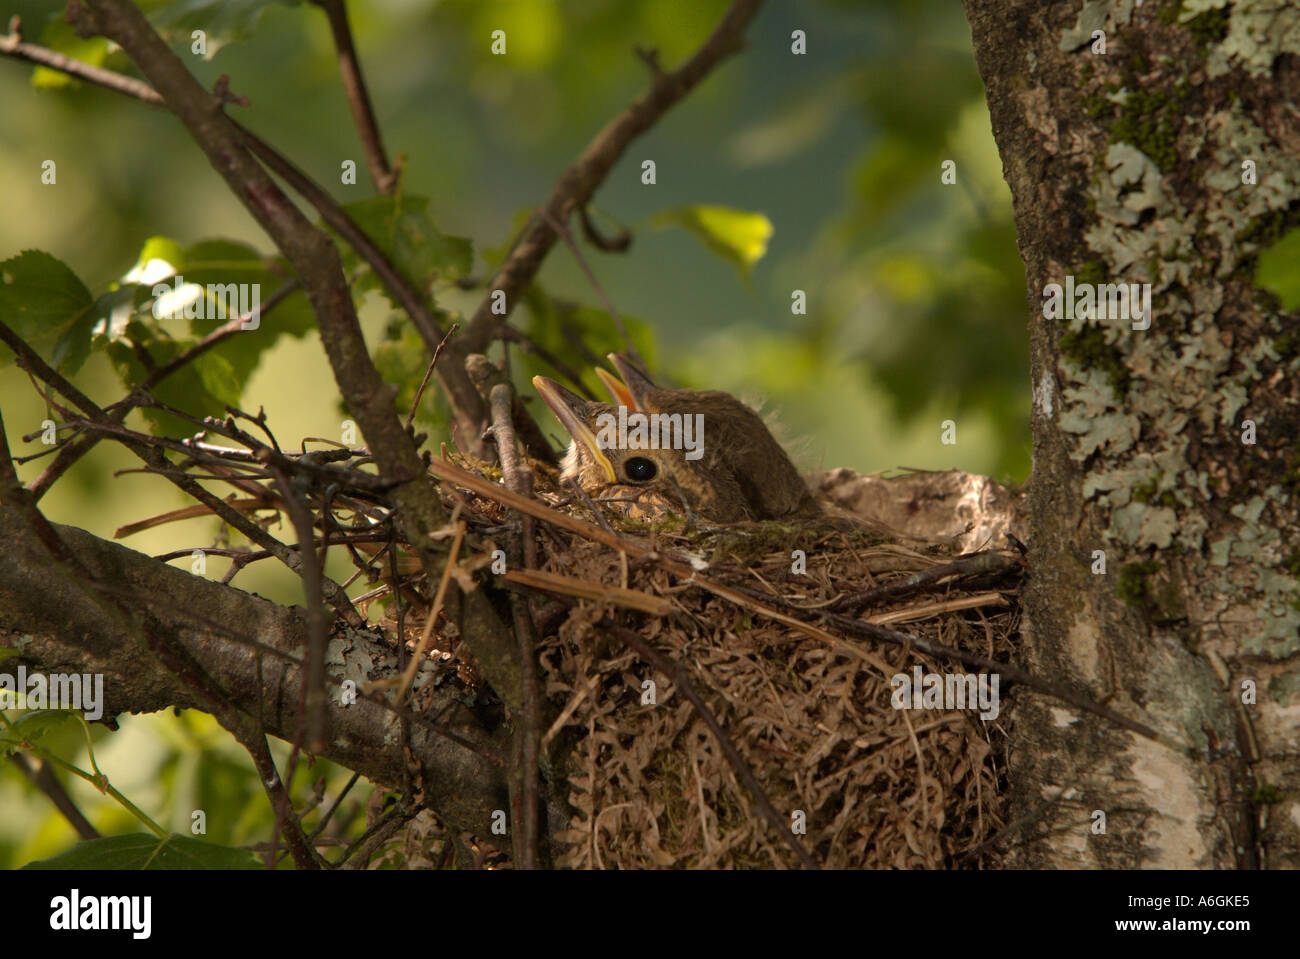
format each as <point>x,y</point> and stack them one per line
<point>1162,509</point>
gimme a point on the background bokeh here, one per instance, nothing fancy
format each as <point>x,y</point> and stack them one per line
<point>916,303</point>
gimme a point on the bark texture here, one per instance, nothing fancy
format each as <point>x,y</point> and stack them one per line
<point>1162,511</point>
<point>59,625</point>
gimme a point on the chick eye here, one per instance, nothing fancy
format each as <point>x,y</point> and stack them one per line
<point>640,470</point>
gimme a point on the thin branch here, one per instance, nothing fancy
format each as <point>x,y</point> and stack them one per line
<point>13,46</point>
<point>253,740</point>
<point>415,403</point>
<point>1008,672</point>
<point>329,813</point>
<point>358,97</point>
<point>510,334</point>
<point>357,855</point>
<point>579,182</point>
<point>152,456</point>
<point>42,777</point>
<point>615,244</point>
<point>519,479</point>
<point>311,711</point>
<point>469,409</point>
<point>563,230</point>
<point>71,452</point>
<point>973,564</point>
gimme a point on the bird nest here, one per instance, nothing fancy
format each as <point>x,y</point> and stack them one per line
<point>724,696</point>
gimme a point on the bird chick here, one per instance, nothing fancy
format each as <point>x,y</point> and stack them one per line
<point>661,449</point>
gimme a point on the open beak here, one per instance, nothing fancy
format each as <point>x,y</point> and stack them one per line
<point>571,410</point>
<point>635,384</point>
<point>617,389</point>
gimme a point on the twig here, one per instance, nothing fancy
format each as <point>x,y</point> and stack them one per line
<point>976,563</point>
<point>358,97</point>
<point>419,393</point>
<point>329,813</point>
<point>579,182</point>
<point>583,495</point>
<point>510,334</point>
<point>287,823</point>
<point>42,777</point>
<point>404,683</point>
<point>1005,670</point>
<point>584,589</point>
<point>739,595</point>
<point>153,457</point>
<point>357,855</point>
<point>563,231</point>
<point>13,46</point>
<point>1028,819</point>
<point>519,479</point>
<point>311,709</point>
<point>616,244</point>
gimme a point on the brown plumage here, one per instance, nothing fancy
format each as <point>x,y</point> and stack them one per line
<point>736,470</point>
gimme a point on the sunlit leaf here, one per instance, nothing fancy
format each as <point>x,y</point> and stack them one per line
<point>219,279</point>
<point>738,236</point>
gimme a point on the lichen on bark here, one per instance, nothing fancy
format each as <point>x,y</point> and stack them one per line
<point>1171,159</point>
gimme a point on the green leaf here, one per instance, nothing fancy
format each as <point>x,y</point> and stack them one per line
<point>219,378</point>
<point>59,35</point>
<point>738,236</point>
<point>160,248</point>
<point>183,390</point>
<point>143,851</point>
<point>218,262</point>
<point>402,358</point>
<point>402,227</point>
<point>230,277</point>
<point>1278,270</point>
<point>48,306</point>
<point>222,21</point>
<point>34,726</point>
<point>556,325</point>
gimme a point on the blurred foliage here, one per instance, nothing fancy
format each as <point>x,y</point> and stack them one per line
<point>818,173</point>
<point>1278,270</point>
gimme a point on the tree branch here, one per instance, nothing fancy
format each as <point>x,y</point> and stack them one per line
<point>579,182</point>
<point>315,260</point>
<point>467,407</point>
<point>249,647</point>
<point>354,83</point>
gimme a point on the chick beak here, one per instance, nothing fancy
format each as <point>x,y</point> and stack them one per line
<point>571,410</point>
<point>636,384</point>
<point>621,394</point>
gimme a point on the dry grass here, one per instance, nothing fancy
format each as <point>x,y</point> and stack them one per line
<point>808,708</point>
